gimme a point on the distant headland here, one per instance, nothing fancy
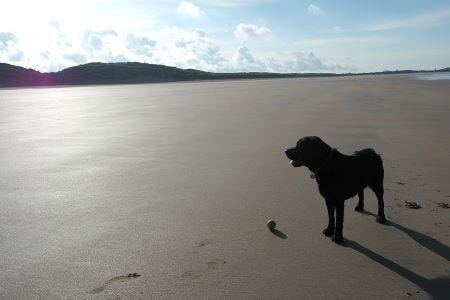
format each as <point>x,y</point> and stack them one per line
<point>133,72</point>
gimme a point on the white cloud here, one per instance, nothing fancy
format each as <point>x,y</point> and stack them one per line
<point>423,19</point>
<point>171,46</point>
<point>302,62</point>
<point>308,62</point>
<point>9,48</point>
<point>7,38</point>
<point>77,58</point>
<point>315,10</point>
<point>186,8</point>
<point>56,49</point>
<point>188,49</point>
<point>245,32</point>
<point>244,61</point>
<point>96,41</point>
<point>140,44</point>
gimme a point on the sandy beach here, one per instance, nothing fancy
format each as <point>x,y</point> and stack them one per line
<point>164,190</point>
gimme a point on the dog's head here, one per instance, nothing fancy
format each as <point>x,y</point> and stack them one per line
<point>310,151</point>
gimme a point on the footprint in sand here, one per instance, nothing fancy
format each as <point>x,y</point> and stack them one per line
<point>214,264</point>
<point>204,243</point>
<point>211,266</point>
<point>121,278</point>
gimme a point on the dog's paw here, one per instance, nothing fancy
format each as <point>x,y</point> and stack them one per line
<point>338,239</point>
<point>359,208</point>
<point>328,231</point>
<point>381,219</point>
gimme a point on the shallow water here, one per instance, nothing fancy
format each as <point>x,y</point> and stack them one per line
<point>434,76</point>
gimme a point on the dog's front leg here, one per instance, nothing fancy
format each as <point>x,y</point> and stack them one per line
<point>338,237</point>
<point>329,230</point>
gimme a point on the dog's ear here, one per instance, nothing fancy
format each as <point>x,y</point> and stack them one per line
<point>315,139</point>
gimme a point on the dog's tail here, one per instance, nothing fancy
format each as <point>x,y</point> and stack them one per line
<point>378,166</point>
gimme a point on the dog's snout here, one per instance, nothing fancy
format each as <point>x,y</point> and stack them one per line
<point>289,153</point>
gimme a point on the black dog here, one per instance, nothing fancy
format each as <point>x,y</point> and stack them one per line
<point>340,177</point>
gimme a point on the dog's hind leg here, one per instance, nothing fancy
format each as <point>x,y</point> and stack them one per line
<point>338,237</point>
<point>379,192</point>
<point>330,228</point>
<point>360,206</point>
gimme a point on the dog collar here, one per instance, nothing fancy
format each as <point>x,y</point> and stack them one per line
<point>315,174</point>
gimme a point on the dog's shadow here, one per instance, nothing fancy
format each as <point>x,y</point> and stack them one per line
<point>437,288</point>
<point>424,240</point>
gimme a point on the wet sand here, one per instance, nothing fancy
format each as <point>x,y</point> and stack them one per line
<point>164,190</point>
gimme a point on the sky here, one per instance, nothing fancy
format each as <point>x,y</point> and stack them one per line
<point>228,35</point>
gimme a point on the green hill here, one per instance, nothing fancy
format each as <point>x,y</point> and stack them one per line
<point>133,72</point>
<point>115,73</point>
<point>17,76</point>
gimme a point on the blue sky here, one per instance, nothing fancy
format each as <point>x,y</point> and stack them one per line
<point>233,35</point>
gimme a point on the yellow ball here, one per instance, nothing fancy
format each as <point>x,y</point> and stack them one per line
<point>271,224</point>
